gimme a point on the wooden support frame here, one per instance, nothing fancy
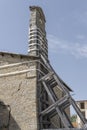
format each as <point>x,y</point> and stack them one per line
<point>58,106</point>
<point>65,122</point>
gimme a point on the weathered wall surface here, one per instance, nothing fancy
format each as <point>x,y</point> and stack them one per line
<point>17,95</point>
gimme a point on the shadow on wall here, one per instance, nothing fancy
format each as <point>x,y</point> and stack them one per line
<point>6,120</point>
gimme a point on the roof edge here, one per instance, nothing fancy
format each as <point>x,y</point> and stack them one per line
<point>39,9</point>
<point>16,54</point>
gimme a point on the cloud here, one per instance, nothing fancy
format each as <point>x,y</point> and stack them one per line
<point>57,45</point>
<point>80,37</point>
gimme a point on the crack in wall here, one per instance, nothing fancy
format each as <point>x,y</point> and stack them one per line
<point>19,87</point>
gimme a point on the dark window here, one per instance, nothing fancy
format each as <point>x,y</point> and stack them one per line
<point>82,105</point>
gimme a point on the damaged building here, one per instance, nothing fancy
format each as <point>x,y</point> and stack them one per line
<point>32,95</point>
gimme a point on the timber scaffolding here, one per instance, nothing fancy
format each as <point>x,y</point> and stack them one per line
<point>50,81</point>
<point>49,102</point>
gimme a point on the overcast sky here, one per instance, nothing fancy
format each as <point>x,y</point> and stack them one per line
<point>66,27</point>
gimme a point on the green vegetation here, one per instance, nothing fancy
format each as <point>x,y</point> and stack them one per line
<point>73,118</point>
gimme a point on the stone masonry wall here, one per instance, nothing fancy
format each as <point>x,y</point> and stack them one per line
<point>18,105</point>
